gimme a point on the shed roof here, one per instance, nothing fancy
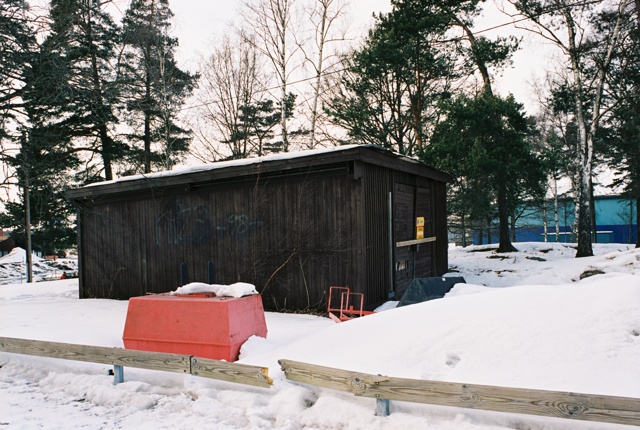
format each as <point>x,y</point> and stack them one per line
<point>282,162</point>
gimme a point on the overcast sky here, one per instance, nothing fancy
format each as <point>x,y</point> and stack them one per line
<point>198,22</point>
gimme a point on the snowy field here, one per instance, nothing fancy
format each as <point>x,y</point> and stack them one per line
<point>524,319</point>
<point>12,268</point>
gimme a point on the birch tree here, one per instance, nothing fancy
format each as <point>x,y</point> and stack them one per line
<point>271,22</point>
<point>570,27</point>
<point>324,17</point>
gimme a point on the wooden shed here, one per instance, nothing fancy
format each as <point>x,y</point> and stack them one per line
<point>292,224</point>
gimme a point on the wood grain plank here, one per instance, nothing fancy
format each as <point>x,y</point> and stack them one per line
<point>586,407</point>
<point>202,367</point>
<point>415,241</point>
<point>327,377</point>
<point>98,354</point>
<point>231,372</point>
<point>610,409</point>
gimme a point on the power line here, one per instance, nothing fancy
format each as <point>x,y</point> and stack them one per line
<point>456,39</point>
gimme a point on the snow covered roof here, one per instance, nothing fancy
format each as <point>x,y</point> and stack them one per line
<point>248,166</point>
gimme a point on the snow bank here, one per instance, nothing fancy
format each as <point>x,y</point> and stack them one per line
<point>18,255</point>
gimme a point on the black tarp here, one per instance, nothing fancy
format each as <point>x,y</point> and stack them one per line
<point>423,289</point>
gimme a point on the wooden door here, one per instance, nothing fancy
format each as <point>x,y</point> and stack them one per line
<point>413,260</point>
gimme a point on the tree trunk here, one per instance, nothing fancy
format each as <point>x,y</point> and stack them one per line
<point>318,81</point>
<point>555,209</point>
<point>545,224</point>
<point>585,248</point>
<point>283,31</point>
<point>147,143</point>
<point>503,215</point>
<point>594,225</point>
<point>464,231</point>
<point>638,222</point>
<point>482,67</point>
<point>106,151</point>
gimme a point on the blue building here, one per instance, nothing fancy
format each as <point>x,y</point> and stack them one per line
<point>616,221</point>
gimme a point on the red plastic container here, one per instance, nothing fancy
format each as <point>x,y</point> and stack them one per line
<point>210,327</point>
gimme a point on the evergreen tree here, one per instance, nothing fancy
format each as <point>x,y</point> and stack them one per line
<point>483,143</point>
<point>45,167</point>
<point>391,90</point>
<point>156,87</point>
<point>17,42</point>
<point>624,151</point>
<point>388,94</point>
<point>84,38</point>
<point>41,217</point>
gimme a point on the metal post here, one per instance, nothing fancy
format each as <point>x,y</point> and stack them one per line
<point>382,407</point>
<point>392,267</point>
<point>118,374</point>
<point>27,209</point>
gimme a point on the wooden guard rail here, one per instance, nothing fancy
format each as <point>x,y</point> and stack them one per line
<point>586,407</point>
<point>119,357</point>
<point>607,409</point>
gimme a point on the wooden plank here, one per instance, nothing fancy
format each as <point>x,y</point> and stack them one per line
<point>203,367</point>
<point>610,409</point>
<point>98,354</point>
<point>231,372</point>
<point>415,242</point>
<point>597,408</point>
<point>327,377</point>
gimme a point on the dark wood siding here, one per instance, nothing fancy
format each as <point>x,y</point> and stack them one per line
<point>267,232</point>
<point>404,216</point>
<point>374,223</point>
<point>291,230</point>
<point>425,252</point>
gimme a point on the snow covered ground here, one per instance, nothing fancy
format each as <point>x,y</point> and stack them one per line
<point>13,267</point>
<point>524,319</point>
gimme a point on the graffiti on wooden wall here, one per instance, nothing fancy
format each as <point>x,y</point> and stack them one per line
<point>183,223</point>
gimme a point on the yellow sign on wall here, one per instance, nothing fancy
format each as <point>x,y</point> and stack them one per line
<point>420,227</point>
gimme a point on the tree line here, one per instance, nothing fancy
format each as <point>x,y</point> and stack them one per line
<point>85,99</point>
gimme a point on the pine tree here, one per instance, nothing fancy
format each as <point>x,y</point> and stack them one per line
<point>156,87</point>
<point>34,84</point>
<point>17,42</point>
<point>624,151</point>
<point>483,143</point>
<point>84,38</point>
<point>392,84</point>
